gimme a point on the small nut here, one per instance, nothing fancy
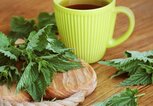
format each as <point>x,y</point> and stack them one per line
<point>19,41</point>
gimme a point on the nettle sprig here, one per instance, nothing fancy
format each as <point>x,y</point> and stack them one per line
<point>32,64</point>
<point>138,66</point>
<point>128,97</point>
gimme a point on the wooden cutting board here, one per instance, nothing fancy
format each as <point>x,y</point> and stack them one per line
<point>141,39</point>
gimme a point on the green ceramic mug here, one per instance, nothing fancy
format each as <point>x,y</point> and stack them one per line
<point>90,32</point>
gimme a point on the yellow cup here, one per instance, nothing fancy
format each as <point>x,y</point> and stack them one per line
<point>90,32</point>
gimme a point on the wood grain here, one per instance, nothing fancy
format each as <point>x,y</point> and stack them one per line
<point>141,40</point>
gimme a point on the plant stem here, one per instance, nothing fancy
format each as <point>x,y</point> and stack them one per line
<point>139,95</point>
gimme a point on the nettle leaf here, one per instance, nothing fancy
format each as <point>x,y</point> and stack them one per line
<point>4,41</point>
<point>139,78</point>
<point>38,87</point>
<point>147,68</point>
<point>28,77</point>
<point>63,64</point>
<point>139,54</point>
<point>123,65</point>
<point>47,74</point>
<point>71,56</point>
<point>118,63</point>
<point>33,40</point>
<point>142,56</point>
<point>56,46</point>
<point>44,68</point>
<point>132,56</point>
<point>14,50</point>
<point>45,18</point>
<point>8,75</point>
<point>38,40</point>
<point>22,26</point>
<point>124,98</point>
<point>8,54</point>
<point>138,65</point>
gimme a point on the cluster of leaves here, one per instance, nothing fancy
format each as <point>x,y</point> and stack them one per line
<point>32,64</point>
<point>8,56</point>
<point>21,27</point>
<point>127,97</point>
<point>138,65</point>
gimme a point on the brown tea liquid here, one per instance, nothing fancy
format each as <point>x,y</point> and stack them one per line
<point>86,6</point>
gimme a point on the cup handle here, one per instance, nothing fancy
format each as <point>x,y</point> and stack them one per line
<point>128,12</point>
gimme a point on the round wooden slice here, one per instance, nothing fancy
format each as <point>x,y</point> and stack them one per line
<point>64,85</point>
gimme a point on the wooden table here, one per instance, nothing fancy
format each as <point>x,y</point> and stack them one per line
<point>142,39</point>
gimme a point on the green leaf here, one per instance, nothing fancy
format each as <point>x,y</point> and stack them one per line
<point>13,36</point>
<point>21,26</point>
<point>124,98</point>
<point>4,41</point>
<point>71,56</point>
<point>45,18</point>
<point>138,65</point>
<point>47,74</point>
<point>63,64</point>
<point>147,68</point>
<point>56,46</point>
<point>123,65</point>
<point>38,40</point>
<point>132,56</point>
<point>33,40</point>
<point>14,50</point>
<point>139,78</point>
<point>46,71</point>
<point>8,54</point>
<point>28,77</point>
<point>142,56</point>
<point>38,87</point>
<point>118,63</point>
<point>8,75</point>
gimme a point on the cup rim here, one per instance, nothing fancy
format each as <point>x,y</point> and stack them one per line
<point>77,10</point>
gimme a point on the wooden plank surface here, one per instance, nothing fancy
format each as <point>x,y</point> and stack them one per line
<point>141,39</point>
